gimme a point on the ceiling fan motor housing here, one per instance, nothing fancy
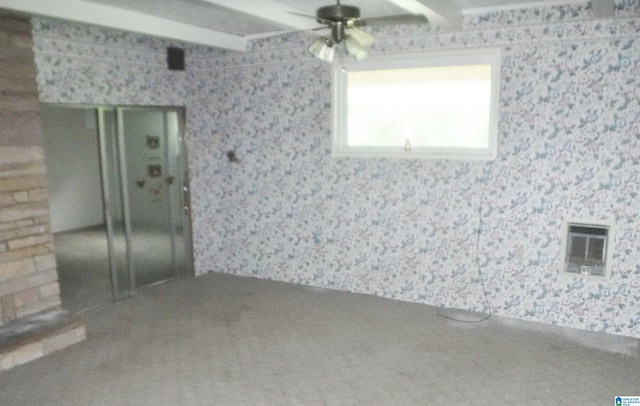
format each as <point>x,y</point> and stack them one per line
<point>338,13</point>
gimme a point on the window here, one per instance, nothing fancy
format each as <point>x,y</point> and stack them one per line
<point>587,248</point>
<point>439,105</point>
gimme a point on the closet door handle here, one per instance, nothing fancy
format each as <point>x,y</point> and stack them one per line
<point>186,198</point>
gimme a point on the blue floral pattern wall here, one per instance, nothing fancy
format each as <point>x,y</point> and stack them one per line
<point>436,232</point>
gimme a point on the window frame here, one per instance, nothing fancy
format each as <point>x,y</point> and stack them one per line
<point>608,245</point>
<point>341,68</point>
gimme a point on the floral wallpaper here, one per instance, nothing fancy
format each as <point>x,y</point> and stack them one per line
<point>483,236</point>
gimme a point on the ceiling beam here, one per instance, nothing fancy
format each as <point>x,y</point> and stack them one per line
<point>117,18</point>
<point>539,4</point>
<point>602,8</point>
<point>274,11</point>
<point>439,13</point>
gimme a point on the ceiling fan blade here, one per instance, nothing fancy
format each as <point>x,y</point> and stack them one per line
<point>301,14</point>
<point>318,19</point>
<point>392,20</point>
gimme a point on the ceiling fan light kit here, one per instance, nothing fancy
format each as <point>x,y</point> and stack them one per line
<point>322,48</point>
<point>362,37</point>
<point>343,22</point>
<point>355,48</point>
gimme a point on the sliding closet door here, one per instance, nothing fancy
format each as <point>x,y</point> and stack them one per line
<point>178,193</point>
<point>150,152</point>
<point>143,181</point>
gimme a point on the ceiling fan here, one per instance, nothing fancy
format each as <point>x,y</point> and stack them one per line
<point>344,20</point>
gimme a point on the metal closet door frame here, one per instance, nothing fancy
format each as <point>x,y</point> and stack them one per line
<point>166,163</point>
<point>124,190</point>
<point>109,200</point>
<point>180,194</point>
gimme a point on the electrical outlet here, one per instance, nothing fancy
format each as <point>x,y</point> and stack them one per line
<point>520,252</point>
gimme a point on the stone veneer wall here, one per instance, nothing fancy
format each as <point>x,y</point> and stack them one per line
<point>28,275</point>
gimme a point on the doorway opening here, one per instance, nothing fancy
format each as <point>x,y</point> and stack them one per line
<point>119,199</point>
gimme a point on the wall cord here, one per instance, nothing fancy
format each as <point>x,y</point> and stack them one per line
<point>480,274</point>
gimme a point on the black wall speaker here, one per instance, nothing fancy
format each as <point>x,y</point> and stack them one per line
<point>175,58</point>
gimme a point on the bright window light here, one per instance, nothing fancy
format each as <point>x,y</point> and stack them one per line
<point>430,106</point>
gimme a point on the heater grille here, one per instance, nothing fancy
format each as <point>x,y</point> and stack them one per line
<point>587,248</point>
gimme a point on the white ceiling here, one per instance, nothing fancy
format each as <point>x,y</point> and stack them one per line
<point>230,24</point>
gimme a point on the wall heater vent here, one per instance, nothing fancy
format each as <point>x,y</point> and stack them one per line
<point>587,248</point>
